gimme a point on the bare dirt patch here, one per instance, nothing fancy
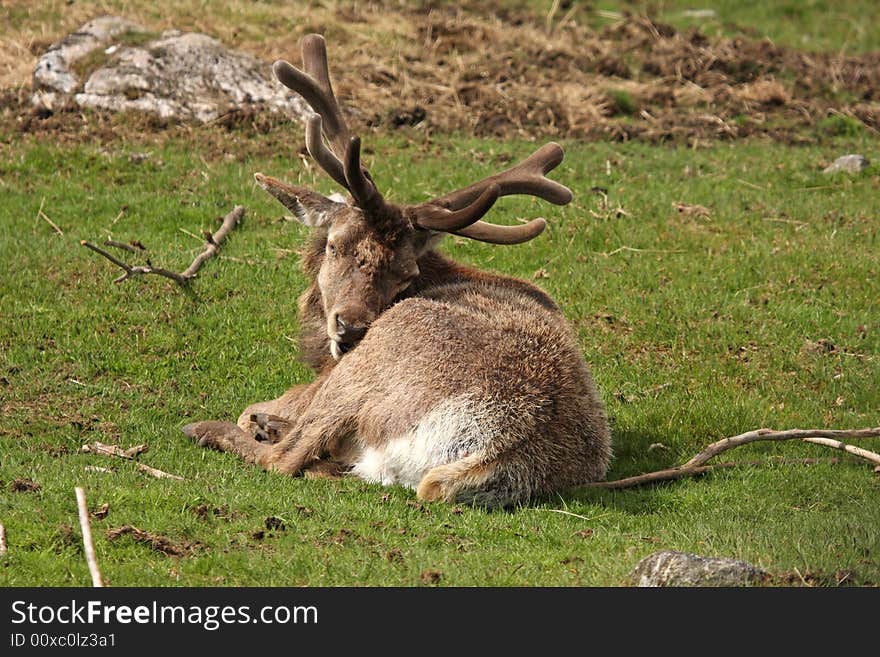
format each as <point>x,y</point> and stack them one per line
<point>441,68</point>
<point>156,542</point>
<point>24,486</point>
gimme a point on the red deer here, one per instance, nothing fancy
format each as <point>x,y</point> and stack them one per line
<point>465,385</point>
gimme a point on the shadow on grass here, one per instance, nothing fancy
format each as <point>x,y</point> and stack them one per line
<point>633,455</point>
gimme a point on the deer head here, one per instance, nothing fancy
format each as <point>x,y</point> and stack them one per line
<point>372,247</point>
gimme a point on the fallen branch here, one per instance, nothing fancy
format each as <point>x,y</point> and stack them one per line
<point>121,245</point>
<point>129,454</point>
<point>212,247</point>
<point>697,465</point>
<point>159,474</point>
<point>2,540</point>
<point>88,544</point>
<point>114,450</point>
<point>792,434</point>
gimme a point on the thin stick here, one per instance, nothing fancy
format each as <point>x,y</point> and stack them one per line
<point>696,466</point>
<point>190,233</point>
<point>118,217</point>
<point>2,541</point>
<point>851,449</point>
<point>574,515</point>
<point>89,546</point>
<point>129,454</point>
<point>212,246</point>
<point>631,249</point>
<point>136,270</point>
<point>121,245</point>
<point>159,474</point>
<point>214,241</point>
<point>769,434</point>
<point>114,450</point>
<point>42,215</point>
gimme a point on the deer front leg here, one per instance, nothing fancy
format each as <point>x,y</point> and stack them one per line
<point>270,416</point>
<point>301,449</point>
<point>228,437</point>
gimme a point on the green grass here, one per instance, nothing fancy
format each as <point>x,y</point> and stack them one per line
<point>699,328</point>
<point>814,25</point>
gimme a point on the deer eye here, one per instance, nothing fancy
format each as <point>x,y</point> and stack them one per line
<point>331,249</point>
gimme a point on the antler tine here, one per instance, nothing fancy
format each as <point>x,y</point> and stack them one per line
<point>323,155</point>
<point>342,159</point>
<point>314,54</point>
<point>449,213</point>
<point>359,182</point>
<point>435,217</point>
<point>527,177</point>
<point>495,234</point>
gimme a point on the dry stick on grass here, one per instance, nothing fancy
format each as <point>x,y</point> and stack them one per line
<point>114,450</point>
<point>89,546</point>
<point>42,215</point>
<point>98,468</point>
<point>129,454</point>
<point>121,245</point>
<point>2,541</point>
<point>212,246</point>
<point>697,465</point>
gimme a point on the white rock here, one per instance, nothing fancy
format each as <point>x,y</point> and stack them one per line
<point>852,163</point>
<point>177,76</point>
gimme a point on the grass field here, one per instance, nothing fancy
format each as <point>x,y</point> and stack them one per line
<point>763,314</point>
<point>765,311</point>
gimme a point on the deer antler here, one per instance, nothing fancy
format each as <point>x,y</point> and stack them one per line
<point>527,177</point>
<point>458,212</point>
<point>341,160</point>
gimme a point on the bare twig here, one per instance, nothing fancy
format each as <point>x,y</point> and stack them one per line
<point>190,233</point>
<point>769,434</point>
<point>136,270</point>
<point>114,450</point>
<point>2,541</point>
<point>851,449</point>
<point>88,544</point>
<point>697,465</point>
<point>129,454</point>
<point>573,515</point>
<point>119,216</point>
<point>121,245</point>
<point>159,474</point>
<point>213,241</point>
<point>631,249</point>
<point>43,216</point>
<point>212,246</point>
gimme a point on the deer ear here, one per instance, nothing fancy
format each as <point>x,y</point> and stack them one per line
<point>308,207</point>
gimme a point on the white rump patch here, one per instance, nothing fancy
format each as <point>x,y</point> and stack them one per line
<point>448,433</point>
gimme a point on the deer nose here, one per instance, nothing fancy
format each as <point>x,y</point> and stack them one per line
<point>349,333</point>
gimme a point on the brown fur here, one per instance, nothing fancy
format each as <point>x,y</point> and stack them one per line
<point>463,384</point>
<point>449,333</point>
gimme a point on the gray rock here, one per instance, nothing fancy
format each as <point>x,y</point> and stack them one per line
<point>683,569</point>
<point>52,74</point>
<point>187,76</point>
<point>853,163</point>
